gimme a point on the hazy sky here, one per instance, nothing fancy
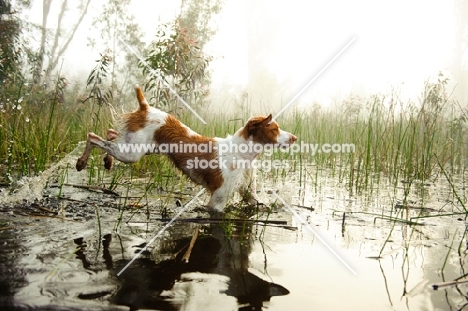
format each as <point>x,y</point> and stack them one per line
<point>397,44</point>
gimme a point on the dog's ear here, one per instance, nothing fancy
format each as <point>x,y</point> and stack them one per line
<point>141,98</point>
<point>267,120</point>
<point>260,121</point>
<point>252,126</point>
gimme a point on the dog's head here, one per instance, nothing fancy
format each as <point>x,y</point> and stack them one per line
<point>263,130</point>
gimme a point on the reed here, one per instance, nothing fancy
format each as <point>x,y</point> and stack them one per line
<point>400,140</point>
<point>34,128</point>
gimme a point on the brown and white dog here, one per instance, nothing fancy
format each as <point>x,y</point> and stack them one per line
<point>210,162</point>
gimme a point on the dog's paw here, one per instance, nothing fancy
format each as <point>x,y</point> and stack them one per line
<point>80,164</point>
<point>112,134</point>
<point>108,161</point>
<point>215,214</point>
<point>251,198</point>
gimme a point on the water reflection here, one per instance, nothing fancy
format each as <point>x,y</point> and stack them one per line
<point>216,277</point>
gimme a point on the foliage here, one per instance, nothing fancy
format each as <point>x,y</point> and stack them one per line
<point>33,126</point>
<point>404,141</point>
<point>176,56</point>
<point>97,109</point>
<point>114,25</point>
<point>196,15</point>
<point>176,61</point>
<point>10,48</point>
<point>97,78</point>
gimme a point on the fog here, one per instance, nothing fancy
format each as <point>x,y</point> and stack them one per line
<point>264,52</point>
<point>273,49</point>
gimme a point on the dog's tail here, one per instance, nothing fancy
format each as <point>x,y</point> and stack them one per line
<point>141,98</point>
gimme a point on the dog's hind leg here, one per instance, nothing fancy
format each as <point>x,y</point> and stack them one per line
<point>112,148</point>
<point>90,144</point>
<point>109,159</point>
<point>83,160</point>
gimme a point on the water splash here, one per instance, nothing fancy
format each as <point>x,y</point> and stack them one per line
<point>31,188</point>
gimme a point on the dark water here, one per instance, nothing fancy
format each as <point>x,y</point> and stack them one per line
<point>55,264</point>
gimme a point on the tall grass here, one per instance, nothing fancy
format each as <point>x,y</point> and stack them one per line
<point>403,141</point>
<point>39,124</point>
<point>34,127</point>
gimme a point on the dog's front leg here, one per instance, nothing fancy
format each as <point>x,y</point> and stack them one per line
<point>248,189</point>
<point>218,200</point>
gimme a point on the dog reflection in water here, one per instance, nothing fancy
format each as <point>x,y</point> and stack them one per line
<point>201,291</point>
<point>216,277</point>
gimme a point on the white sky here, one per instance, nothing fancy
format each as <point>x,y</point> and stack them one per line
<point>398,44</point>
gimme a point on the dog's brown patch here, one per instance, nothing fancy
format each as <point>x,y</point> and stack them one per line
<point>261,130</point>
<point>137,120</point>
<point>174,132</point>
